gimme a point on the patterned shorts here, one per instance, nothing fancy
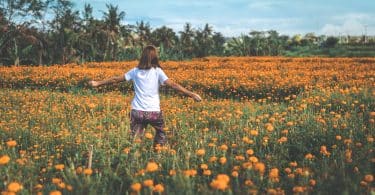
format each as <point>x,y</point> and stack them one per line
<point>139,121</point>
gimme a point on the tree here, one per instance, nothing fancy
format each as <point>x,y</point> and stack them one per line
<point>143,31</point>
<point>218,44</point>
<point>331,42</point>
<point>186,40</point>
<point>12,33</point>
<point>112,19</point>
<point>164,36</point>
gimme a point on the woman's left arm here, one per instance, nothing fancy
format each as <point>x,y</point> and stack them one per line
<point>107,81</point>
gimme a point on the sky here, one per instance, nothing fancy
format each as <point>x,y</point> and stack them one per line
<point>236,17</point>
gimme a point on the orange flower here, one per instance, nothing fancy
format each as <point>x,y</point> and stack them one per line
<point>4,160</point>
<point>87,171</point>
<point>11,143</point>
<point>200,152</point>
<point>260,167</point>
<point>148,135</point>
<point>221,182</point>
<point>136,187</point>
<point>274,175</point>
<point>224,147</point>
<point>55,192</point>
<point>159,188</point>
<point>152,167</point>
<point>223,160</point>
<point>148,183</point>
<point>250,152</point>
<point>207,172</point>
<point>14,187</point>
<point>59,167</point>
<point>368,178</point>
<point>172,172</point>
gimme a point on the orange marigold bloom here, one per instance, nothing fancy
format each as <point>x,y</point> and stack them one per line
<point>4,160</point>
<point>235,173</point>
<point>212,159</point>
<point>224,147</point>
<point>298,189</point>
<point>274,174</point>
<point>136,187</point>
<point>207,172</point>
<point>368,178</point>
<point>148,183</point>
<point>223,160</point>
<point>221,182</point>
<point>59,167</point>
<point>11,143</point>
<point>253,159</point>
<point>172,172</point>
<point>14,187</point>
<point>250,152</point>
<point>309,156</point>
<point>159,188</point>
<point>260,167</point>
<point>200,152</point>
<point>87,171</point>
<point>152,167</point>
<point>148,135</point>
<point>204,166</point>
<point>55,192</point>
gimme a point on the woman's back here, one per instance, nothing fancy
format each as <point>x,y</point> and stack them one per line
<point>146,86</point>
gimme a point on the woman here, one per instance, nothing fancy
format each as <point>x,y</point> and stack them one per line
<point>147,78</point>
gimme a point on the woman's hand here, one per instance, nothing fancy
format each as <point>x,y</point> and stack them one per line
<point>93,83</point>
<point>196,97</point>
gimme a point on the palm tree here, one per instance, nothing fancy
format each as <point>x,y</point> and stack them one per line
<point>143,31</point>
<point>186,40</point>
<point>218,44</point>
<point>112,19</point>
<point>164,36</point>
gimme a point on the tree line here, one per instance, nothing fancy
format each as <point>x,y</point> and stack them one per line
<point>44,32</point>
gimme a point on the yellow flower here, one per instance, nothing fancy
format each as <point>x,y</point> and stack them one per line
<point>4,160</point>
<point>159,188</point>
<point>148,135</point>
<point>11,143</point>
<point>152,167</point>
<point>14,187</point>
<point>136,187</point>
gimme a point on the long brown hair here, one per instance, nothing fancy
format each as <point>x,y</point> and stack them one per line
<point>149,58</point>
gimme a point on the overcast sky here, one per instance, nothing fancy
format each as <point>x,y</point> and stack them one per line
<point>235,17</point>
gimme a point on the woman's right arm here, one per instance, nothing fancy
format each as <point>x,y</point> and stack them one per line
<point>107,81</point>
<point>178,87</point>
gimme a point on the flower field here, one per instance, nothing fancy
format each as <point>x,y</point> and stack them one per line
<point>266,126</point>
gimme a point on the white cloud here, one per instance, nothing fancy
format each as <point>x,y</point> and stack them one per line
<point>348,27</point>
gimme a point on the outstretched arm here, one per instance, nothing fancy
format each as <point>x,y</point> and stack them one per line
<point>107,81</point>
<point>178,87</point>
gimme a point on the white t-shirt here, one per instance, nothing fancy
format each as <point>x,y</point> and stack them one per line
<point>146,86</point>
